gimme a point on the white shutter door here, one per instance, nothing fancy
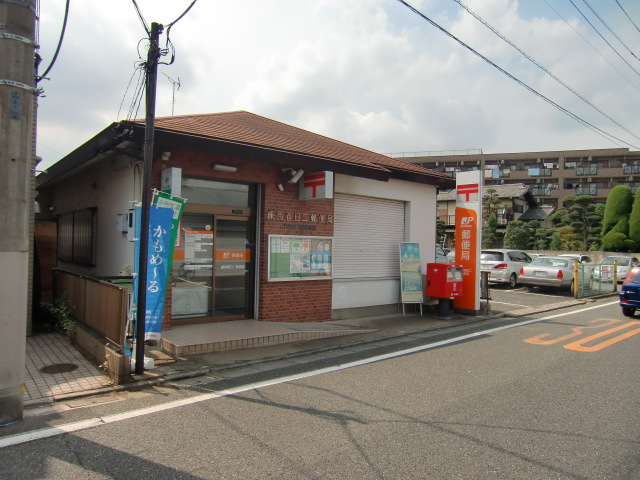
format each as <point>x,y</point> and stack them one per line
<point>367,235</point>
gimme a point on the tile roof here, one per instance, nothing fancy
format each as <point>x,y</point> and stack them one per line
<point>508,190</point>
<point>537,213</point>
<point>254,130</point>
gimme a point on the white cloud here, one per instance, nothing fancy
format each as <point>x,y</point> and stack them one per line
<point>368,72</point>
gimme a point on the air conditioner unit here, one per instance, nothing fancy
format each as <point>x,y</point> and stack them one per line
<point>589,179</point>
<point>630,178</point>
<point>539,160</point>
<point>461,162</point>
<point>502,162</point>
<point>538,180</point>
<point>437,164</point>
<point>589,158</point>
<point>502,181</point>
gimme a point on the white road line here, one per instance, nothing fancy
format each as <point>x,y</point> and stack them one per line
<point>98,421</point>
<point>514,304</point>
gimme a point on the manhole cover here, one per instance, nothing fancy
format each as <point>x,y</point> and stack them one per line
<point>59,368</point>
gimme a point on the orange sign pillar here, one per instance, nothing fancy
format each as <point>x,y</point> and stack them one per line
<point>469,239</point>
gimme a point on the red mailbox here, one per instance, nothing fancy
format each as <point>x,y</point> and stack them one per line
<point>443,280</point>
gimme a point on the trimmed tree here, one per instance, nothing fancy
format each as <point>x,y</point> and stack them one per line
<point>615,223</point>
<point>634,220</point>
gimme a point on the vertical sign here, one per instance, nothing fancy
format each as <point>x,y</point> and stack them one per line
<point>158,249</point>
<point>468,238</point>
<point>410,275</point>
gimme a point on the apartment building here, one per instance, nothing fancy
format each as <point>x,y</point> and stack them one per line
<point>550,176</point>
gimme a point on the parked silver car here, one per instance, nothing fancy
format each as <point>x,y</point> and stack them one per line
<point>555,272</point>
<point>503,264</point>
<point>604,270</point>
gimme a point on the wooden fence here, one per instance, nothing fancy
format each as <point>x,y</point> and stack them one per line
<point>99,305</point>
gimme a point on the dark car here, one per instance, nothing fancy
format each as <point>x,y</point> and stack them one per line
<point>630,293</point>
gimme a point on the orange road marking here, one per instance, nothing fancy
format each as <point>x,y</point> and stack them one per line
<point>578,346</point>
<point>538,339</point>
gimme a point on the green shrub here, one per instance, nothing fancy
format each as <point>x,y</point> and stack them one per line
<point>59,315</point>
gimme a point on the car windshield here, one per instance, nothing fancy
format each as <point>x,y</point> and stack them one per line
<point>549,262</point>
<point>491,256</point>
<point>622,261</point>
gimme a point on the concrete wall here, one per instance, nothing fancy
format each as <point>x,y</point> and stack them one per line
<point>420,226</point>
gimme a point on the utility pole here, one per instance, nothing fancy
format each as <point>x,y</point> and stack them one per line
<point>152,78</point>
<point>17,97</point>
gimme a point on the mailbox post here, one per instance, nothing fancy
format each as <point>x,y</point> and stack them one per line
<point>443,281</point>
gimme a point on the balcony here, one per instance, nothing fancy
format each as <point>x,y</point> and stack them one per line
<point>539,172</point>
<point>592,170</point>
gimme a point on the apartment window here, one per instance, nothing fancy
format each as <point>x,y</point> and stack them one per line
<point>76,237</point>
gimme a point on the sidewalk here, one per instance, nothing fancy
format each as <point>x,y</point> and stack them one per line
<point>56,371</point>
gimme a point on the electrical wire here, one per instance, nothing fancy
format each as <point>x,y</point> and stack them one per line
<point>142,20</point>
<point>55,55</point>
<point>602,37</point>
<point>520,82</point>
<point>592,46</point>
<point>608,28</point>
<point>541,67</point>
<point>169,44</point>
<point>625,12</point>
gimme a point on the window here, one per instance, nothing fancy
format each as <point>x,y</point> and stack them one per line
<point>76,235</point>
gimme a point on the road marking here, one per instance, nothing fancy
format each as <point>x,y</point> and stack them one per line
<point>578,345</point>
<point>99,421</point>
<point>577,331</point>
<point>514,304</point>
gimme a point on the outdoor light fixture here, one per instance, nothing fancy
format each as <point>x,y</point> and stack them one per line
<point>165,156</point>
<point>224,168</point>
<point>280,187</point>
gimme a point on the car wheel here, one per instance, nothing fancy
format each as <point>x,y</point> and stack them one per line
<point>628,311</point>
<point>513,280</point>
<point>571,285</point>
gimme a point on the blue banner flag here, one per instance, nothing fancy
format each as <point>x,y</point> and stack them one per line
<point>158,266</point>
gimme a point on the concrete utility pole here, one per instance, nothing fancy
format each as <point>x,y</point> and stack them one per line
<point>17,96</point>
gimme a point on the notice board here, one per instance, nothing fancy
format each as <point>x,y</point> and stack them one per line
<point>294,257</point>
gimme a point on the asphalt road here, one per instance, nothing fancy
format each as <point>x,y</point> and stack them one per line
<point>549,398</point>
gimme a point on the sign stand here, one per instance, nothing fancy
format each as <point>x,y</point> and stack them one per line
<point>411,290</point>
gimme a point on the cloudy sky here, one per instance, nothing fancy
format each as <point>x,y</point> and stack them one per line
<point>368,72</point>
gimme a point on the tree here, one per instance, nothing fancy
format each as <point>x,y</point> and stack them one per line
<point>490,203</point>
<point>615,223</point>
<point>634,220</point>
<point>440,231</point>
<point>569,239</point>
<point>583,216</point>
<point>517,235</point>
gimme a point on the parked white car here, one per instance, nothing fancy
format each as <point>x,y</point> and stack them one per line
<point>503,264</point>
<point>604,270</point>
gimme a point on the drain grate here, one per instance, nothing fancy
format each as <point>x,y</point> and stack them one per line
<point>59,368</point>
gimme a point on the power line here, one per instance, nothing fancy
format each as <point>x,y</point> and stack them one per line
<point>537,64</point>
<point>142,20</point>
<point>55,55</point>
<point>630,19</point>
<point>602,37</point>
<point>591,45</point>
<point>520,82</point>
<point>608,28</point>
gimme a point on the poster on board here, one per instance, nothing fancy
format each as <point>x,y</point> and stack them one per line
<point>410,273</point>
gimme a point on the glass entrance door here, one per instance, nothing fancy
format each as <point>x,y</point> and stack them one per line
<point>212,269</point>
<point>232,267</point>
